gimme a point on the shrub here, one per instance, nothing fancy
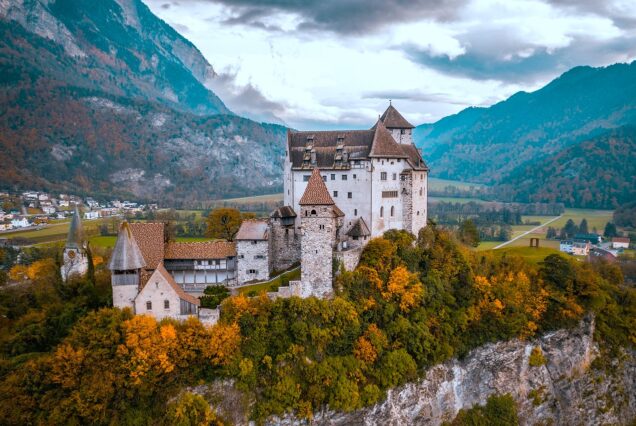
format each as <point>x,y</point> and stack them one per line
<point>536,357</point>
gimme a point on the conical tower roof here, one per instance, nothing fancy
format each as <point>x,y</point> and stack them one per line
<point>316,192</point>
<point>383,144</point>
<point>392,119</point>
<point>126,255</point>
<point>75,232</point>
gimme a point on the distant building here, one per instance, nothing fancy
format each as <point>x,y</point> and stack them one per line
<point>620,242</point>
<point>22,222</point>
<point>252,247</point>
<point>91,215</point>
<point>581,248</point>
<point>566,246</point>
<point>48,209</point>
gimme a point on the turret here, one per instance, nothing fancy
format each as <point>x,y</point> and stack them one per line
<point>125,265</point>
<point>75,260</point>
<point>320,221</point>
<point>400,128</point>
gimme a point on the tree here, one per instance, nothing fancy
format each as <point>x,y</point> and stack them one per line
<point>570,228</point>
<point>468,233</point>
<point>224,223</point>
<point>583,227</point>
<point>191,410</point>
<point>610,230</point>
<point>551,234</point>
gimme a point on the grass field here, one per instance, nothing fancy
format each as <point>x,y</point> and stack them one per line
<point>52,232</point>
<point>435,184</point>
<point>531,254</point>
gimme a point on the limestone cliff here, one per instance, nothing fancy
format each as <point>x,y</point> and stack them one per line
<point>565,390</point>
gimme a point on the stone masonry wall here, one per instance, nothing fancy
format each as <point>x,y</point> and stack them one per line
<point>252,256</point>
<point>406,195</point>
<point>349,258</point>
<point>318,239</point>
<point>284,245</point>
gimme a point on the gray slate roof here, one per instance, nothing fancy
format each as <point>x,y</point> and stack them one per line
<point>126,255</point>
<point>75,232</point>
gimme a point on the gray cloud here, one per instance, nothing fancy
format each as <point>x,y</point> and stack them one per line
<point>486,59</point>
<point>414,95</point>
<point>342,16</point>
<point>598,7</point>
<point>245,100</point>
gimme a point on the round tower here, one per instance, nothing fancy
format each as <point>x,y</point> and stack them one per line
<point>320,220</point>
<point>125,265</point>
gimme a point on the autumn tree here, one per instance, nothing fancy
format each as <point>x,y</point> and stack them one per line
<point>191,410</point>
<point>224,223</point>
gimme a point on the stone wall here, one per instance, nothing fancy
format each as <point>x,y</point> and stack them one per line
<point>349,258</point>
<point>318,241</point>
<point>284,245</point>
<point>209,316</point>
<point>252,255</point>
<point>406,195</point>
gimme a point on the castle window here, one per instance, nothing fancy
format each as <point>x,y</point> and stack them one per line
<point>321,227</point>
<point>349,195</point>
<point>355,212</point>
<point>422,177</point>
<point>355,238</point>
<point>241,256</point>
<point>252,271</point>
<point>399,160</point>
<point>333,176</point>
<point>253,242</point>
<point>166,304</point>
<point>383,162</point>
<point>354,176</point>
<point>324,178</point>
<point>389,194</point>
<point>306,178</point>
<point>382,175</point>
<point>381,211</point>
<point>313,213</point>
<point>286,231</point>
<point>149,306</point>
<point>392,162</point>
<point>418,212</point>
<point>420,192</point>
<point>344,177</point>
<point>391,211</point>
<point>402,131</point>
<point>394,176</point>
<point>335,193</point>
<point>259,256</point>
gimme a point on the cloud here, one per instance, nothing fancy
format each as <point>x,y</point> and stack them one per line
<point>414,95</point>
<point>246,100</point>
<point>351,17</point>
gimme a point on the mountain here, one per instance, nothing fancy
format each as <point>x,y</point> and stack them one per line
<point>487,145</point>
<point>104,98</point>
<point>596,173</point>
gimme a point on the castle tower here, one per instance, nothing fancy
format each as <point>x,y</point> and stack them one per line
<point>400,128</point>
<point>75,260</point>
<point>125,265</point>
<point>320,220</point>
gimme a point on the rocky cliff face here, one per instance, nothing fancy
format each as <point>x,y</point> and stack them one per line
<point>565,390</point>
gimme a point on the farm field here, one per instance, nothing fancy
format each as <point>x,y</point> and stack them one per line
<point>53,232</point>
<point>455,200</point>
<point>435,184</point>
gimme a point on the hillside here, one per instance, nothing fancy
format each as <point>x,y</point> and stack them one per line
<point>597,173</point>
<point>488,144</point>
<point>104,98</point>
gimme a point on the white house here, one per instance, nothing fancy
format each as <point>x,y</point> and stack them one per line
<point>20,223</point>
<point>48,209</point>
<point>162,297</point>
<point>566,246</point>
<point>90,215</point>
<point>581,248</point>
<point>620,242</point>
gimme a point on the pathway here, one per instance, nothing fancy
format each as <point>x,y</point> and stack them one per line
<point>527,232</point>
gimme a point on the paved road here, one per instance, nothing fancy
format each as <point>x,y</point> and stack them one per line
<point>528,232</point>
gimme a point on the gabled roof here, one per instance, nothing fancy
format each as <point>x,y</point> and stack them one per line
<point>316,192</point>
<point>414,157</point>
<point>356,143</point>
<point>359,229</point>
<point>200,250</point>
<point>126,254</point>
<point>253,229</point>
<point>383,143</point>
<point>160,270</point>
<point>150,238</point>
<point>75,231</point>
<point>392,119</point>
<point>283,212</point>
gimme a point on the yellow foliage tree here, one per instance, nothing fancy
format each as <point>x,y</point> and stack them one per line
<point>18,273</point>
<point>405,287</point>
<point>223,345</point>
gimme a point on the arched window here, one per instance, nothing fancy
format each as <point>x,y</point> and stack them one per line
<point>381,211</point>
<point>313,213</point>
<point>420,192</point>
<point>391,211</point>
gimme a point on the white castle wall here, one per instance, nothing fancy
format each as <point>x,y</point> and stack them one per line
<point>124,296</point>
<point>253,255</point>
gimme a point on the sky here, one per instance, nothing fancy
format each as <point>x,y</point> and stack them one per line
<point>318,64</point>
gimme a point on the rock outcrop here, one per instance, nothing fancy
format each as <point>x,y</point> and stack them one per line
<point>565,390</point>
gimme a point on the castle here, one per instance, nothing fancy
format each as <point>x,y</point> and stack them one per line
<point>341,188</point>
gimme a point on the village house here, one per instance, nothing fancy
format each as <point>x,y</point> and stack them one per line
<point>91,215</point>
<point>20,222</point>
<point>620,243</point>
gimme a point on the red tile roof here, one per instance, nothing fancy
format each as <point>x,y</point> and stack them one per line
<point>253,229</point>
<point>150,239</point>
<point>384,145</point>
<point>316,192</point>
<point>200,250</point>
<point>620,240</point>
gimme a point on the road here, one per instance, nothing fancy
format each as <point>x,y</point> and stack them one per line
<point>528,232</point>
